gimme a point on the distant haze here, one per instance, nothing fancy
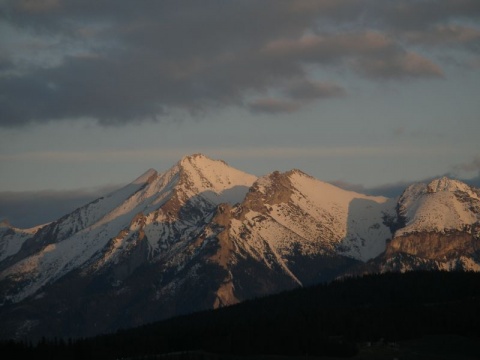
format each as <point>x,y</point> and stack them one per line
<point>30,208</point>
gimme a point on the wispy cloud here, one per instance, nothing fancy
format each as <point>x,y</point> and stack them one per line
<point>274,152</point>
<point>97,156</point>
<point>470,167</point>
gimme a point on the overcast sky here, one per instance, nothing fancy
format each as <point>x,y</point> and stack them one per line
<point>357,92</point>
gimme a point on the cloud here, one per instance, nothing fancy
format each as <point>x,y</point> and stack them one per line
<point>399,131</point>
<point>474,165</point>
<point>474,64</point>
<point>446,34</point>
<point>468,167</point>
<point>306,90</point>
<point>410,14</point>
<point>137,61</point>
<point>273,106</point>
<point>38,5</point>
<point>370,53</point>
<point>296,94</point>
<point>402,65</point>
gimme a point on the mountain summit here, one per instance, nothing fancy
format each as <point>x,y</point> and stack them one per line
<point>203,235</point>
<point>438,228</point>
<point>150,214</point>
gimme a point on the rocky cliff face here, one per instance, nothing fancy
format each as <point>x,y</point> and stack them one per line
<point>204,235</point>
<point>432,245</point>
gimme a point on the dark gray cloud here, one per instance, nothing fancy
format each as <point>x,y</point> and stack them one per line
<point>296,94</point>
<point>31,208</point>
<point>127,61</point>
<point>439,35</point>
<point>415,14</point>
<point>311,90</point>
<point>274,106</point>
<point>474,182</point>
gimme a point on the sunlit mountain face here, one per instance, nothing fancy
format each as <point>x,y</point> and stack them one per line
<point>204,235</point>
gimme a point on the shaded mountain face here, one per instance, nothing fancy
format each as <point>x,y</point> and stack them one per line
<point>204,235</point>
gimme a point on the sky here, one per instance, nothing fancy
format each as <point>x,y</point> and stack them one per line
<point>368,94</point>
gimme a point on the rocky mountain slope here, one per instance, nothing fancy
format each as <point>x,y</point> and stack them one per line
<point>203,235</point>
<point>439,228</point>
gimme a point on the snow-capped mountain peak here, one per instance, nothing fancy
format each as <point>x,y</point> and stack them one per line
<point>446,184</point>
<point>441,205</point>
<point>213,179</point>
<point>320,215</point>
<point>203,234</point>
<point>161,208</point>
<point>439,228</point>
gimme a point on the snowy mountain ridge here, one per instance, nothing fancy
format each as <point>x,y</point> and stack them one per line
<point>321,213</point>
<point>442,205</point>
<point>203,235</point>
<point>110,222</point>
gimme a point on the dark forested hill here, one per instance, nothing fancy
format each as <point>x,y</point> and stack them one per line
<point>328,320</point>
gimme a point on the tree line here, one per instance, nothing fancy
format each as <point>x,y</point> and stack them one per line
<point>322,320</point>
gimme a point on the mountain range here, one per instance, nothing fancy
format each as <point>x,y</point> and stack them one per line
<point>204,235</point>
